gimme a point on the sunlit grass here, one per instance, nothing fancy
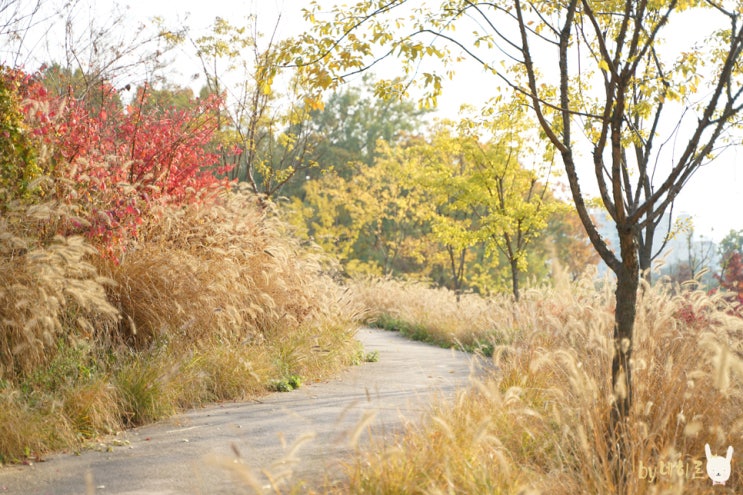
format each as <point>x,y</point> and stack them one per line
<point>218,303</point>
<point>538,423</point>
<point>212,302</point>
<point>436,315</point>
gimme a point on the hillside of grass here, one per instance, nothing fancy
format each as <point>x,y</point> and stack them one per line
<point>538,422</point>
<point>211,301</point>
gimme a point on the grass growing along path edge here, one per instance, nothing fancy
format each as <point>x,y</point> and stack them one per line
<point>219,303</point>
<point>537,424</point>
<point>211,302</point>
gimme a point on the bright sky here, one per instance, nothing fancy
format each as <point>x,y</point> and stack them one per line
<point>711,197</point>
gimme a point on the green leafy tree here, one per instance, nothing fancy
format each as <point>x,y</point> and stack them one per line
<point>346,131</point>
<point>731,243</point>
<point>352,120</point>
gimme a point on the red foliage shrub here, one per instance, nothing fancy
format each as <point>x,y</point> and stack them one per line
<point>692,316</point>
<point>124,160</point>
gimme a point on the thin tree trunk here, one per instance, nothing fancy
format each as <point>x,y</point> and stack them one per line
<point>628,281</point>
<point>457,270</point>
<point>515,279</point>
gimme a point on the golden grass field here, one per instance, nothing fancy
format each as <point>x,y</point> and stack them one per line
<point>537,424</point>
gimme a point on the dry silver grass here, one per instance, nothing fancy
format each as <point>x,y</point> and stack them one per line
<point>467,320</point>
<point>27,431</point>
<point>49,289</point>
<point>276,478</point>
<point>228,270</point>
<point>212,302</point>
<point>538,425</point>
<point>225,301</point>
<point>89,408</point>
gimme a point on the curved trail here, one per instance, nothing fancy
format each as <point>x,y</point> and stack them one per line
<point>196,452</point>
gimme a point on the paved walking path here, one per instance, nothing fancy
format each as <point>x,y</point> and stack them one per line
<point>196,452</point>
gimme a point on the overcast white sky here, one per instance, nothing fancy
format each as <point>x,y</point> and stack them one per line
<point>713,197</point>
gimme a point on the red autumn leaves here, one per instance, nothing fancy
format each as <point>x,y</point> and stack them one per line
<point>122,160</point>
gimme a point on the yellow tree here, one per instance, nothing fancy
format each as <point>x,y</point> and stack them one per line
<point>374,219</point>
<point>602,84</point>
<point>441,171</point>
<point>326,216</point>
<point>483,192</point>
<point>430,206</point>
<point>513,202</point>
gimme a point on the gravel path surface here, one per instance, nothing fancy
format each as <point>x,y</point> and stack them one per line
<point>307,432</point>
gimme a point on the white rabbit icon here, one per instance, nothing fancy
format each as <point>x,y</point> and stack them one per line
<point>718,467</point>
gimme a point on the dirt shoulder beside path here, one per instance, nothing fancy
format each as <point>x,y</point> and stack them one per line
<point>177,456</point>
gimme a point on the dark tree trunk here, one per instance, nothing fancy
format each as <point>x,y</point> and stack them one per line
<point>628,281</point>
<point>457,269</point>
<point>515,279</point>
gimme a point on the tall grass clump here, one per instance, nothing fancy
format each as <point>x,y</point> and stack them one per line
<point>49,289</point>
<point>227,290</point>
<point>224,270</point>
<point>211,301</point>
<point>136,280</point>
<point>538,423</point>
